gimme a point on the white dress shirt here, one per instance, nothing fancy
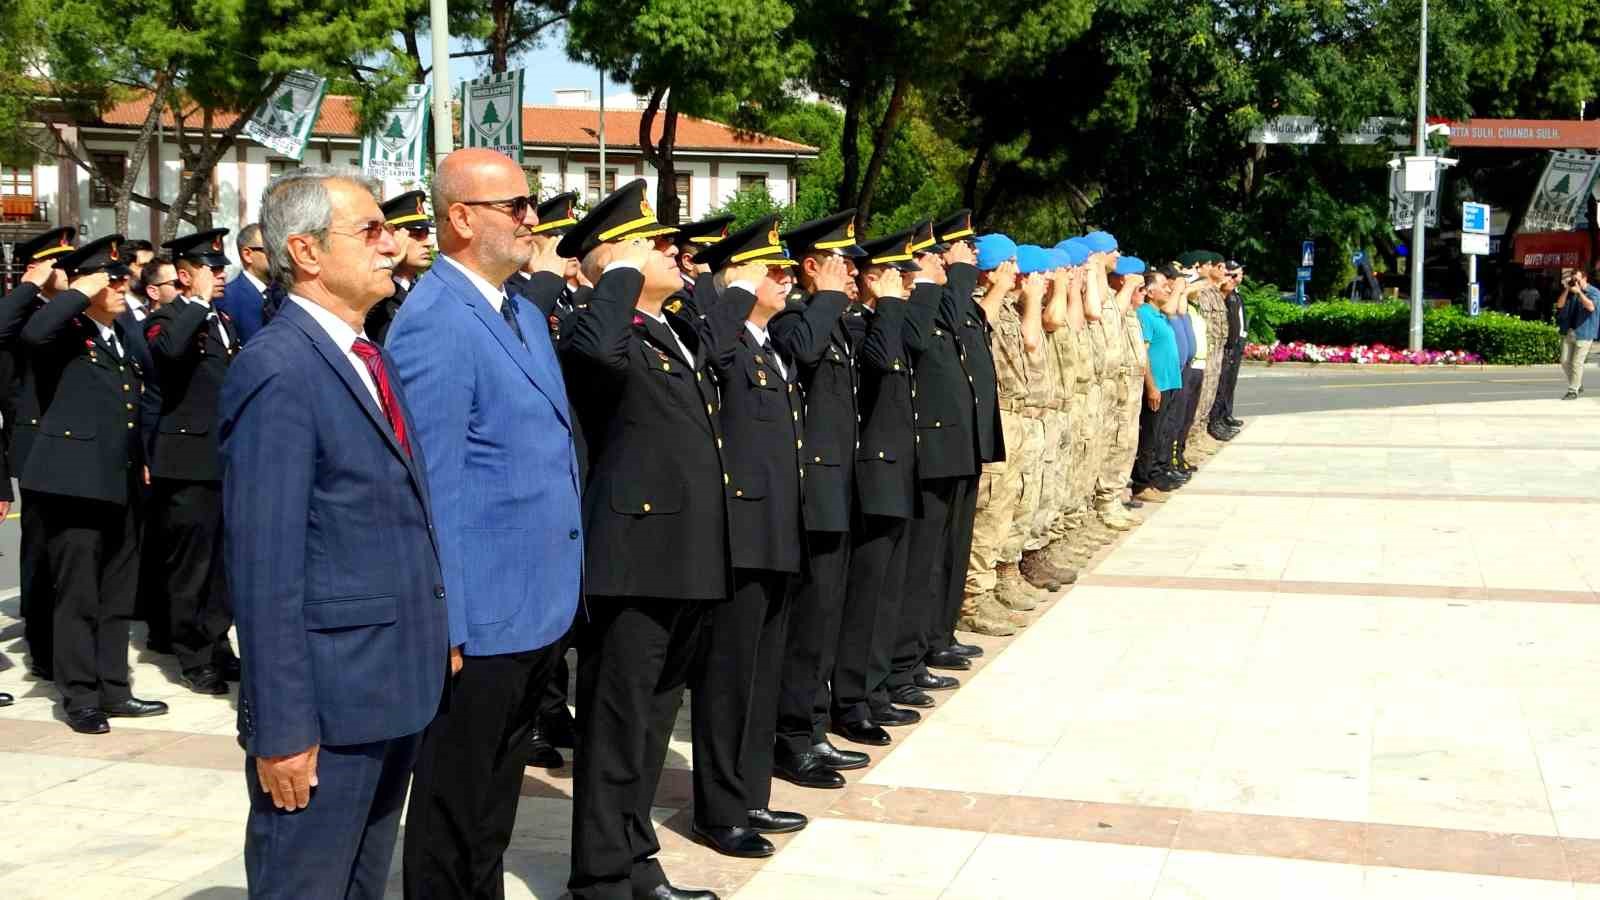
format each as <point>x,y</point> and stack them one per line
<point>212,316</point>
<point>137,307</point>
<point>490,292</point>
<point>258,284</point>
<point>662,318</point>
<point>343,337</point>
<point>760,334</point>
<point>109,335</point>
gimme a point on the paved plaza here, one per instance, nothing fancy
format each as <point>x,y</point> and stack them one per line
<point>1355,658</point>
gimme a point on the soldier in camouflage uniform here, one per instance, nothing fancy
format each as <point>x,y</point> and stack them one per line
<point>1011,589</point>
<point>1039,567</point>
<point>1123,385</point>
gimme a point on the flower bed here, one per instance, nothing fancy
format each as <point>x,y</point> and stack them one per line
<point>1359,354</point>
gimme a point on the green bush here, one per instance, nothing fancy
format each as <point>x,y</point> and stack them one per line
<point>1496,337</point>
<point>1265,310</point>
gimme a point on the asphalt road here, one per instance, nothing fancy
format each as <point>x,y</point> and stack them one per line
<point>1266,390</point>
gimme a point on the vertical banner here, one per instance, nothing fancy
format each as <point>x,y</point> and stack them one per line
<point>491,113</point>
<point>283,123</point>
<point>1559,197</point>
<point>397,151</point>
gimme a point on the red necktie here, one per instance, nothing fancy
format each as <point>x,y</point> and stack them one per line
<point>369,353</point>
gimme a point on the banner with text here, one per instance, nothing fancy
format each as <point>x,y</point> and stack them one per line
<point>1402,203</point>
<point>491,112</point>
<point>283,123</point>
<point>1559,197</point>
<point>398,150</point>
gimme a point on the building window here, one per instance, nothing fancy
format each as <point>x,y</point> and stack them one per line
<point>16,181</point>
<point>592,190</point>
<point>112,168</point>
<point>751,180</point>
<point>276,167</point>
<point>682,182</point>
<point>535,178</point>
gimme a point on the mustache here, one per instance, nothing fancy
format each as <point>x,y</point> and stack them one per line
<point>383,264</point>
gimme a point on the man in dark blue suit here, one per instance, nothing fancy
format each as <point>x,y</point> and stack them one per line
<point>244,296</point>
<point>335,576</point>
<point>493,416</point>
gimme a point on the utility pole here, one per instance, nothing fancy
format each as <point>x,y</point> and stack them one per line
<point>1419,200</point>
<point>604,190</point>
<point>443,113</point>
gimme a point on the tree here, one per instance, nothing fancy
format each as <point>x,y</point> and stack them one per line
<point>503,28</point>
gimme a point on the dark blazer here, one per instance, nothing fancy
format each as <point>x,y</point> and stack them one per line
<point>810,333</point>
<point>655,509</point>
<point>382,314</point>
<point>947,441</point>
<point>150,398</point>
<point>15,309</point>
<point>190,365</point>
<point>243,303</point>
<point>886,463</point>
<point>764,434</point>
<point>332,567</point>
<point>1234,305</point>
<point>89,442</point>
<point>973,330</point>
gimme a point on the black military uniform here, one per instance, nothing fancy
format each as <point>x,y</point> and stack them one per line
<point>192,345</point>
<point>408,210</point>
<point>886,475</point>
<point>655,517</point>
<point>811,332</point>
<point>947,469</point>
<point>735,683</point>
<point>86,470</point>
<point>22,426</point>
<point>699,293</point>
<point>973,331</point>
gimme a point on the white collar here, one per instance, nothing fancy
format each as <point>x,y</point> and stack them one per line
<point>107,333</point>
<point>258,284</point>
<point>206,303</point>
<point>492,294</point>
<point>756,331</point>
<point>344,337</point>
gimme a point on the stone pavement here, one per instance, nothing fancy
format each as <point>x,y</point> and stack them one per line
<point>1353,659</point>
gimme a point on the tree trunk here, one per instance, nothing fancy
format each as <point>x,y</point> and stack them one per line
<point>202,164</point>
<point>880,148</point>
<point>122,194</point>
<point>969,193</point>
<point>850,141</point>
<point>413,47</point>
<point>666,166</point>
<point>500,37</point>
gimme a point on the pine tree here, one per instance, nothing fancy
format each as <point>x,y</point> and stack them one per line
<point>395,130</point>
<point>490,117</point>
<point>286,102</point>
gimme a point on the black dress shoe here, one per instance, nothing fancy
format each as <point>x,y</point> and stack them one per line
<point>732,840</point>
<point>204,680</point>
<point>1231,422</point>
<point>227,667</point>
<point>909,696</point>
<point>949,659</point>
<point>159,645</point>
<point>970,651</point>
<point>807,770</point>
<point>6,699</point>
<point>559,730</point>
<point>668,892</point>
<point>133,708</point>
<point>932,682</point>
<point>840,760</point>
<point>863,733</point>
<point>895,716</point>
<point>88,721</point>
<point>776,821</point>
<point>542,754</point>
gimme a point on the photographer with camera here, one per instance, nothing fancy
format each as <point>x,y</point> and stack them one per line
<point>1579,323</point>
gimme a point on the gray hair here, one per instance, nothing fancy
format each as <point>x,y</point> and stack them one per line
<point>297,202</point>
<point>248,235</point>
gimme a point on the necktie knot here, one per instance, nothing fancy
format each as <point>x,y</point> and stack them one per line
<point>365,349</point>
<point>508,310</point>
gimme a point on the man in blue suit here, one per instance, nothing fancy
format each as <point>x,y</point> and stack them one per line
<point>244,296</point>
<point>331,557</point>
<point>493,418</point>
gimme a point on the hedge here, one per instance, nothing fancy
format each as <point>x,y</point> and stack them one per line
<point>1496,337</point>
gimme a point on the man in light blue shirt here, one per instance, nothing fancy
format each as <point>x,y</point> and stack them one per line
<point>1583,322</point>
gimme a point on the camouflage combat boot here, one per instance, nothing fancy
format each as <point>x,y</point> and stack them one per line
<point>1041,572</point>
<point>1113,516</point>
<point>978,617</point>
<point>1012,591</point>
<point>998,610</point>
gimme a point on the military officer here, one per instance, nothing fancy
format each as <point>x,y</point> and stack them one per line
<point>42,279</point>
<point>887,328</point>
<point>655,522</point>
<point>408,215</point>
<point>87,474</point>
<point>735,685</point>
<point>699,287</point>
<point>810,334</point>
<point>192,345</point>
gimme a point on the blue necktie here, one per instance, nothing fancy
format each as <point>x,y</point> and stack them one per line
<point>508,310</point>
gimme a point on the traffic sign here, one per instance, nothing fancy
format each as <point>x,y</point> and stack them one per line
<point>1303,273</point>
<point>1474,244</point>
<point>1475,218</point>
<point>1308,253</point>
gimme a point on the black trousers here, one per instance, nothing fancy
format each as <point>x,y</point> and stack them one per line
<point>634,658</point>
<point>927,582</point>
<point>734,697</point>
<point>867,624</point>
<point>1154,437</point>
<point>38,589</point>
<point>151,606</point>
<point>1193,379</point>
<point>1227,382</point>
<point>804,697</point>
<point>941,632</point>
<point>553,699</point>
<point>93,551</point>
<point>190,528</point>
<point>468,776</point>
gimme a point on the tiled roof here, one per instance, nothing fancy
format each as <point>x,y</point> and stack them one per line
<point>559,126</point>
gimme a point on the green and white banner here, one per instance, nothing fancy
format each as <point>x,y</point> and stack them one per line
<point>283,123</point>
<point>1561,192</point>
<point>398,150</point>
<point>491,113</point>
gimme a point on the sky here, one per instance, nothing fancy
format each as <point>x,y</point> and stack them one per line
<point>545,69</point>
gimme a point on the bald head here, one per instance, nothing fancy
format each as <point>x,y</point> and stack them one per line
<point>475,229</point>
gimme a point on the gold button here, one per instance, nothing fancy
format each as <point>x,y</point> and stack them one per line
<point>880,454</point>
<point>799,445</point>
<point>709,410</point>
<point>698,376</point>
<point>802,472</point>
<point>738,493</point>
<point>719,443</point>
<point>127,387</point>
<point>647,507</point>
<point>666,367</point>
<point>183,431</point>
<point>130,424</point>
<point>68,434</point>
<point>938,424</point>
<point>129,405</point>
<point>817,459</point>
<point>724,477</point>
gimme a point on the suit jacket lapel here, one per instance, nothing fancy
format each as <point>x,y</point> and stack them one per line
<point>664,338</point>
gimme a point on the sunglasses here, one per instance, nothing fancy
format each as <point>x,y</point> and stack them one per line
<point>371,231</point>
<point>517,206</point>
<point>156,284</point>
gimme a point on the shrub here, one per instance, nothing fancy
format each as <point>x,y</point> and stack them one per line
<point>1496,337</point>
<point>1265,310</point>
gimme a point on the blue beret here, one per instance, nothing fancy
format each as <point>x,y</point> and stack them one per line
<point>1130,265</point>
<point>994,249</point>
<point>1032,258</point>
<point>1076,249</point>
<point>1100,242</point>
<point>1060,259</point>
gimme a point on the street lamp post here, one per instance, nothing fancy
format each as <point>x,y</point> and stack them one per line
<point>1419,204</point>
<point>443,114</point>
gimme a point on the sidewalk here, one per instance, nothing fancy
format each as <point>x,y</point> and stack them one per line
<point>1355,658</point>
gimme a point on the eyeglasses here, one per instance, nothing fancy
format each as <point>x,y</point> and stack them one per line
<point>156,284</point>
<point>371,232</point>
<point>517,206</point>
<point>255,249</point>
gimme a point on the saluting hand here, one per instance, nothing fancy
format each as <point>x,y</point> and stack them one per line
<point>960,252</point>
<point>1005,275</point>
<point>37,273</point>
<point>634,253</point>
<point>832,275</point>
<point>289,779</point>
<point>546,259</point>
<point>750,273</point>
<point>932,268</point>
<point>91,284</point>
<point>1135,280</point>
<point>1033,286</point>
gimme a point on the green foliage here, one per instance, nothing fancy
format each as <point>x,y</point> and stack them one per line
<point>751,204</point>
<point>1498,338</point>
<point>1265,310</point>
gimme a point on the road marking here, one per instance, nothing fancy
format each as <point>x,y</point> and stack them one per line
<point>1367,384</point>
